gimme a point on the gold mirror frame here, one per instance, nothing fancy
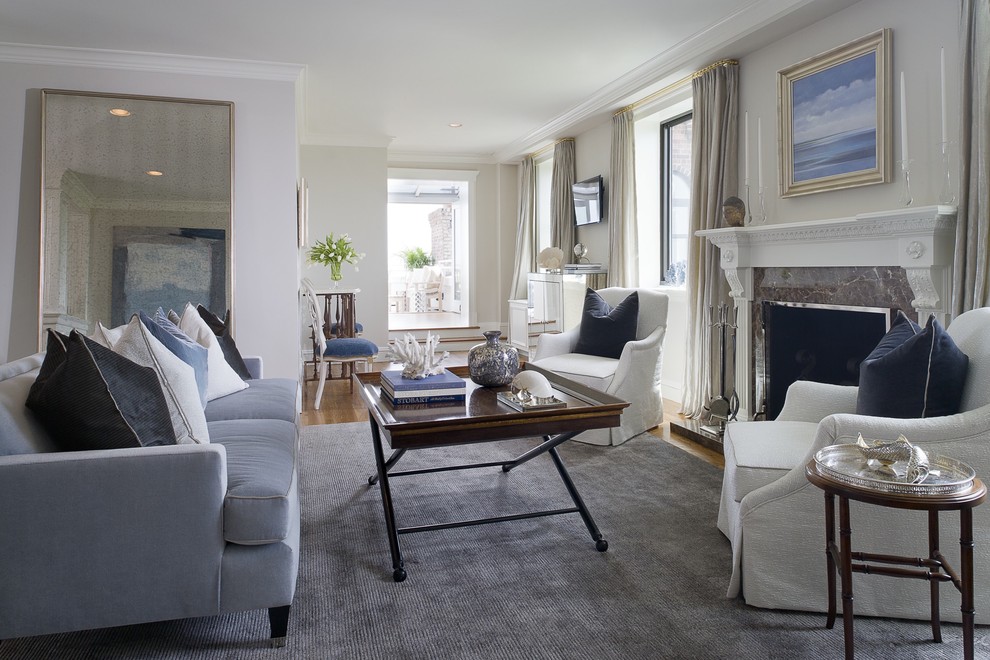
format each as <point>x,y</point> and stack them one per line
<point>116,237</point>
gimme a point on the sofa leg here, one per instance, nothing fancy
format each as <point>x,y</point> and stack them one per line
<point>279,618</point>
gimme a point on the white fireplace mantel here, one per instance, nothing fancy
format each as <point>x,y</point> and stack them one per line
<point>920,240</point>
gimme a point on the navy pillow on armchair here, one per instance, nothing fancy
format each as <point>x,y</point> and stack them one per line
<point>606,330</point>
<point>913,372</point>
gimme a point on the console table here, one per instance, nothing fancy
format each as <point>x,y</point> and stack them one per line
<point>933,568</point>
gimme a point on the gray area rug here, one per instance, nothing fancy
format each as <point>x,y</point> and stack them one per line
<point>524,589</point>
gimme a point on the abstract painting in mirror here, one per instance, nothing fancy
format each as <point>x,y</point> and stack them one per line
<point>136,207</point>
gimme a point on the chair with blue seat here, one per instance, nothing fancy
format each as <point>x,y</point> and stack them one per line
<point>348,351</point>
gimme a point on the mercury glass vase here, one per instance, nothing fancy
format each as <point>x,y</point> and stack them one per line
<point>493,363</point>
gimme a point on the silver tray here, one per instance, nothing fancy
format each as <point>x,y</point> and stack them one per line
<point>846,463</point>
<point>509,399</point>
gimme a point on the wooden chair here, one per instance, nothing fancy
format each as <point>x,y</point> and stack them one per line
<point>349,351</point>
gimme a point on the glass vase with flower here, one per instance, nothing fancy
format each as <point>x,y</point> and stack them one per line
<point>335,252</point>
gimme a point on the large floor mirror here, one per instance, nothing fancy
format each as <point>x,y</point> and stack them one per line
<point>136,207</point>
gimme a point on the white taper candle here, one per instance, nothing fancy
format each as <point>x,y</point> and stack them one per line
<point>945,119</point>
<point>759,152</point>
<point>746,149</point>
<point>904,130</point>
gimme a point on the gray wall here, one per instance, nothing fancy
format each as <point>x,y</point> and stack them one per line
<point>264,230</point>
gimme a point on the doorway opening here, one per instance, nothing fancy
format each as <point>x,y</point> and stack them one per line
<point>427,253</point>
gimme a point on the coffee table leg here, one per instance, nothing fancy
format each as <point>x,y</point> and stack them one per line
<point>600,543</point>
<point>398,572</point>
<point>830,556</point>
<point>845,534</point>
<point>966,556</point>
<point>392,460</point>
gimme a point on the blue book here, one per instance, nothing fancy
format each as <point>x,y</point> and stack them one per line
<point>393,381</point>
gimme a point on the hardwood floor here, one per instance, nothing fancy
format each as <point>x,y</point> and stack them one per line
<point>340,406</point>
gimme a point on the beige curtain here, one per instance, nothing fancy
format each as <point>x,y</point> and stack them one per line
<point>714,177</point>
<point>971,271</point>
<point>562,198</point>
<point>623,257</point>
<point>525,262</point>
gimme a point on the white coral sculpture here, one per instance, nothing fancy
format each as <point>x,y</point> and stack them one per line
<point>418,361</point>
<point>551,258</point>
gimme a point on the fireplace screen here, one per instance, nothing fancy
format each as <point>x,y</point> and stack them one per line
<point>821,343</point>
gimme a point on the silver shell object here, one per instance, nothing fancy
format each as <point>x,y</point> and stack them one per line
<point>900,450</point>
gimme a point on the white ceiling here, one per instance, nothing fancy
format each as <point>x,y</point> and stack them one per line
<point>516,73</point>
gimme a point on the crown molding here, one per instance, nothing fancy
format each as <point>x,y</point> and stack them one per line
<point>440,158</point>
<point>667,66</point>
<point>156,62</point>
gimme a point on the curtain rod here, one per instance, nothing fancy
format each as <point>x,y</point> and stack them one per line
<point>674,85</point>
<point>547,148</point>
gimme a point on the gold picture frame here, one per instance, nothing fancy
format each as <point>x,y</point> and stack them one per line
<point>834,118</point>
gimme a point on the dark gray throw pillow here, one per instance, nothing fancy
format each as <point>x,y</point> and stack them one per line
<point>606,330</point>
<point>88,397</point>
<point>222,330</point>
<point>913,372</point>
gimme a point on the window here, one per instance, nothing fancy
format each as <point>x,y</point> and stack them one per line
<point>544,177</point>
<point>675,185</point>
<point>663,194</point>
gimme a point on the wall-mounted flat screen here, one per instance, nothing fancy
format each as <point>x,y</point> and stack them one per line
<point>589,201</point>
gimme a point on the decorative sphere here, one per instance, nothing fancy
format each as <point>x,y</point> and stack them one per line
<point>535,383</point>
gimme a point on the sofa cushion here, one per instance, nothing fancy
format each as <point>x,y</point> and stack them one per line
<point>591,370</point>
<point>221,328</point>
<point>760,453</point>
<point>912,373</point>
<point>221,378</point>
<point>265,398</point>
<point>20,430</point>
<point>261,469</point>
<point>88,397</point>
<point>605,330</point>
<point>178,380</point>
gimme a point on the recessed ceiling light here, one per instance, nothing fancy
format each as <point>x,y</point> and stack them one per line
<point>455,124</point>
<point>120,112</point>
<point>154,173</point>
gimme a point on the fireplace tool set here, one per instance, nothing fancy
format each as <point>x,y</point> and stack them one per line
<point>722,406</point>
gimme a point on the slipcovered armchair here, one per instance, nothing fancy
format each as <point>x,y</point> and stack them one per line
<point>774,517</point>
<point>633,377</point>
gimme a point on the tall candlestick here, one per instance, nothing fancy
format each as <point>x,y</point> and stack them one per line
<point>904,131</point>
<point>746,150</point>
<point>759,152</point>
<point>945,120</point>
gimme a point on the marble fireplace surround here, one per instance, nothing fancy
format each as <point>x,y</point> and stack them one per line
<point>896,259</point>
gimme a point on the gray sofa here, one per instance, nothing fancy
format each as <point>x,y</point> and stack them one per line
<point>92,539</point>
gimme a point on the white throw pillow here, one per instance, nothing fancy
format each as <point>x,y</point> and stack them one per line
<point>178,380</point>
<point>107,337</point>
<point>221,378</point>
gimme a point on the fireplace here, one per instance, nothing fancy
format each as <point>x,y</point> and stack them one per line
<point>807,341</point>
<point>888,260</point>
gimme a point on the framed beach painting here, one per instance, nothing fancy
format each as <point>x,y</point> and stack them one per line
<point>834,118</point>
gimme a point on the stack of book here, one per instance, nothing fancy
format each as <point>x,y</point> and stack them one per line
<point>441,389</point>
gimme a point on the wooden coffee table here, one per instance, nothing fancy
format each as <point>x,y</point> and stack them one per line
<point>482,419</point>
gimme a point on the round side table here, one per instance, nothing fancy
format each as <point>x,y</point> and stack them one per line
<point>935,567</point>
